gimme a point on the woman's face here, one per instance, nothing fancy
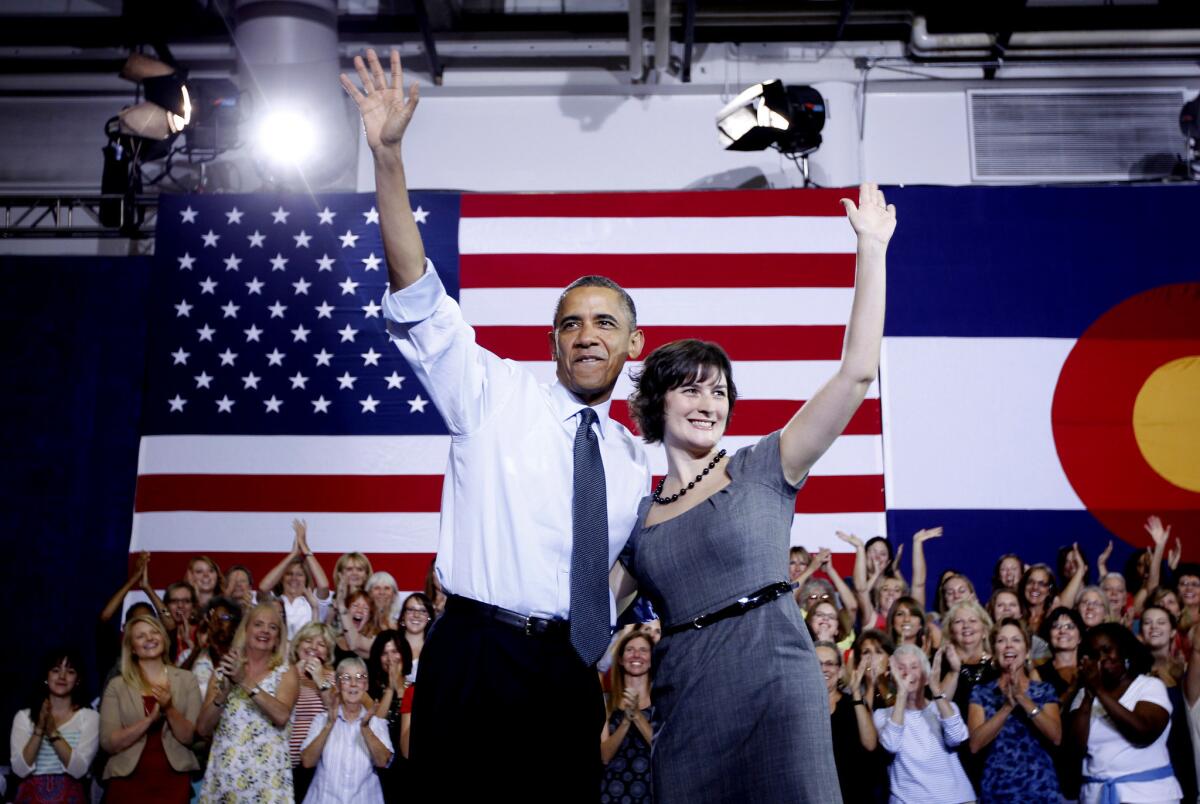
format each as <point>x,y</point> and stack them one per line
<point>956,589</point>
<point>653,629</point>
<point>294,581</point>
<point>1070,565</point>
<point>416,617</point>
<point>1156,629</point>
<point>146,642</point>
<point>1064,635</point>
<point>1037,588</point>
<point>1143,564</point>
<point>221,626</point>
<point>62,679</point>
<point>1189,590</point>
<point>179,603</point>
<point>360,611</point>
<point>910,669</point>
<point>872,653</point>
<point>1006,605</point>
<point>313,648</point>
<point>635,658</point>
<point>352,684</point>
<point>264,631</point>
<point>966,629</point>
<point>812,594</point>
<point>383,595</point>
<point>797,564</point>
<point>825,622</point>
<point>877,556</point>
<point>694,415</point>
<point>354,572</point>
<point>1114,590</point>
<point>890,590</point>
<point>1171,603</point>
<point>390,656</point>
<point>1108,658</point>
<point>1010,646</point>
<point>1010,571</point>
<point>1091,608</point>
<point>907,624</point>
<point>202,577</point>
<point>237,584</point>
<point>830,667</point>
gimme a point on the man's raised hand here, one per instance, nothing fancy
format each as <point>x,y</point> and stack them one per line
<point>385,110</point>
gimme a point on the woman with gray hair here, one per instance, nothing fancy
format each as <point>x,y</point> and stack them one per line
<point>923,738</point>
<point>382,588</point>
<point>347,744</point>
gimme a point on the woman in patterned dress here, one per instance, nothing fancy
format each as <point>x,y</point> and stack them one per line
<point>626,737</point>
<point>1018,721</point>
<point>247,711</point>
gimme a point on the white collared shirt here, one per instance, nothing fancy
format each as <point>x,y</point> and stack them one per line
<point>506,528</point>
<point>345,773</point>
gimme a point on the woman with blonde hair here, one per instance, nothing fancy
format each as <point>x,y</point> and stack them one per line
<point>148,720</point>
<point>626,737</point>
<point>312,656</point>
<point>382,588</point>
<point>205,577</point>
<point>350,574</point>
<point>247,712</point>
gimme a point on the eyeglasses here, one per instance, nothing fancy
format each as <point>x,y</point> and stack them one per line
<point>829,663</point>
<point>1065,625</point>
<point>222,617</point>
<point>1037,582</point>
<point>1191,583</point>
<point>816,596</point>
<point>1091,604</point>
<point>421,612</point>
<point>346,678</point>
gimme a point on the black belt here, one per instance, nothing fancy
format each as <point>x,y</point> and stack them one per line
<point>532,626</point>
<point>736,609</point>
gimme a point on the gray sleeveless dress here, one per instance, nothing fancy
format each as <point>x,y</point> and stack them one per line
<point>740,708</point>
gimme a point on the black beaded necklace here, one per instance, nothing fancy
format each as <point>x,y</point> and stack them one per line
<point>668,500</point>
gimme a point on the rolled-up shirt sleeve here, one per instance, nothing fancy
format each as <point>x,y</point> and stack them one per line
<point>890,732</point>
<point>954,730</point>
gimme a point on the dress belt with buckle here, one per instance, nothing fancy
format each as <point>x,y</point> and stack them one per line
<point>736,609</point>
<point>531,625</point>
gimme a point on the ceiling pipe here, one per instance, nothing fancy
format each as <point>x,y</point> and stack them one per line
<point>1044,43</point>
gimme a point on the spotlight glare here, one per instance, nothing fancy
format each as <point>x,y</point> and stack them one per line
<point>286,137</point>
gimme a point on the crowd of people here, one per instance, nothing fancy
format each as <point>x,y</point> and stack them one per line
<point>1067,683</point>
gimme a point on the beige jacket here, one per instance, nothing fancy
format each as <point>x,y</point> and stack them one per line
<point>122,706</point>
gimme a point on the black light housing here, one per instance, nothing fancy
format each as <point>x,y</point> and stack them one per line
<point>772,115</point>
<point>167,109</point>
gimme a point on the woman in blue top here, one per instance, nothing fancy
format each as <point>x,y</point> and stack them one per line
<point>1017,720</point>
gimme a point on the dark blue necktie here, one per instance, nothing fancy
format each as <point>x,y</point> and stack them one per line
<point>590,629</point>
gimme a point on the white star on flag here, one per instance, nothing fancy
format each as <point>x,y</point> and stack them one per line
<point>204,380</point>
<point>177,404</point>
<point>252,333</point>
<point>298,380</point>
<point>348,287</point>
<point>302,286</point>
<point>417,404</point>
<point>372,215</point>
<point>230,309</point>
<point>394,380</point>
<point>280,215</point>
<point>186,262</point>
<point>324,310</point>
<point>278,262</point>
<point>326,216</point>
<point>302,239</point>
<point>349,239</point>
<point>348,333</point>
<point>346,381</point>
<point>210,239</point>
<point>300,334</point>
<point>323,357</point>
<point>183,309</point>
<point>188,215</point>
<point>227,357</point>
<point>209,285</point>
<point>371,357</point>
<point>254,286</point>
<point>320,404</point>
<point>372,262</point>
<point>369,404</point>
<point>275,357</point>
<point>250,381</point>
<point>272,404</point>
<point>206,332</point>
<point>371,309</point>
<point>256,239</point>
<point>277,309</point>
<point>181,357</point>
<point>325,263</point>
<point>232,262</point>
<point>225,404</point>
<point>234,216</point>
<point>420,215</point>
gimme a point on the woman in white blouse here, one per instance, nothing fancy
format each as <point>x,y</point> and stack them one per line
<point>347,744</point>
<point>923,736</point>
<point>54,741</point>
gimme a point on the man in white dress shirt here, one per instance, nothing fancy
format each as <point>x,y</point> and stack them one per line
<point>504,700</point>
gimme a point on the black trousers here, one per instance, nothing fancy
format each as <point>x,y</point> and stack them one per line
<point>497,712</point>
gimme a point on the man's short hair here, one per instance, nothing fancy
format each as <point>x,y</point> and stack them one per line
<point>595,281</point>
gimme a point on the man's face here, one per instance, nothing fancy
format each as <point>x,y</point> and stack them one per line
<point>591,341</point>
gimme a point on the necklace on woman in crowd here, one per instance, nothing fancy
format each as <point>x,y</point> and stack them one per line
<point>658,498</point>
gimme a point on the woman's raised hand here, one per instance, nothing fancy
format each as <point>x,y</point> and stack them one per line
<point>925,534</point>
<point>872,218</point>
<point>850,539</point>
<point>385,110</point>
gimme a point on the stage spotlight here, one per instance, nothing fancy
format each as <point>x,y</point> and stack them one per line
<point>771,115</point>
<point>167,96</point>
<point>286,138</point>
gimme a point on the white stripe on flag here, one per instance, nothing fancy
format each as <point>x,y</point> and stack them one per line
<point>967,423</point>
<point>693,307</point>
<point>243,532</point>
<point>814,531</point>
<point>758,235</point>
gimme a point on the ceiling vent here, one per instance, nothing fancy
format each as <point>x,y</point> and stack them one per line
<point>1077,135</point>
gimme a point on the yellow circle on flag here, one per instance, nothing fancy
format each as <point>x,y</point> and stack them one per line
<point>1166,421</point>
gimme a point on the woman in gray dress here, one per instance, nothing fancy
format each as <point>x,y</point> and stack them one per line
<point>740,709</point>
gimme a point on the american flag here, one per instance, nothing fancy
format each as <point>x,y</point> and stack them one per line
<point>273,392</point>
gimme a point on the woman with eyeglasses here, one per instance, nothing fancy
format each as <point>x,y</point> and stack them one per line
<point>247,711</point>
<point>1063,630</point>
<point>416,617</point>
<point>1038,591</point>
<point>1093,606</point>
<point>347,744</point>
<point>827,624</point>
<point>1187,589</point>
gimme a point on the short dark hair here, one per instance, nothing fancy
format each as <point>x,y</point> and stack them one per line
<point>596,281</point>
<point>671,366</point>
<point>378,677</point>
<point>1131,649</point>
<point>1062,611</point>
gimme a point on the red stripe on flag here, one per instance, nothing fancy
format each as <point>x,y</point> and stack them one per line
<point>659,270</point>
<point>758,416</point>
<point>696,203</point>
<point>837,494</point>
<point>332,493</point>
<point>741,342</point>
<point>407,568</point>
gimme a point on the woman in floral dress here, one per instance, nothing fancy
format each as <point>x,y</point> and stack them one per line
<point>247,710</point>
